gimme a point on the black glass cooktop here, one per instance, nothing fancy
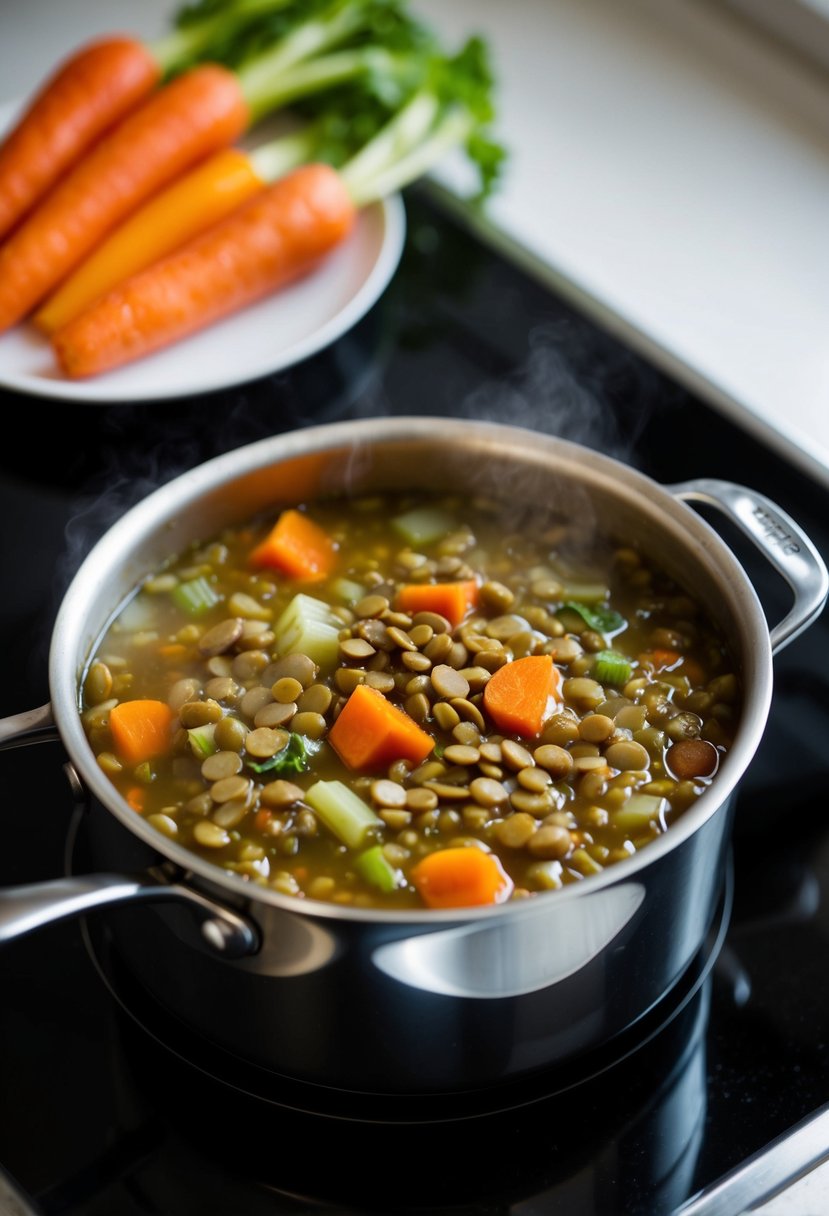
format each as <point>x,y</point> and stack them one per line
<point>104,1111</point>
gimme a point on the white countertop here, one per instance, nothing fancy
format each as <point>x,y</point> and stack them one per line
<point>669,171</point>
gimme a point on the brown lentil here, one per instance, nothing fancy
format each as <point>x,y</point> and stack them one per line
<point>221,637</point>
<point>535,779</point>
<point>388,794</point>
<point>449,683</point>
<point>98,684</point>
<point>488,792</point>
<point>263,742</point>
<point>221,764</point>
<point>210,834</point>
<point>692,758</point>
<point>460,753</point>
<point>554,759</point>
<point>420,800</point>
<point>515,756</point>
<point>445,715</point>
<point>550,841</point>
<point>279,793</point>
<point>371,606</point>
<point>295,666</point>
<point>228,788</point>
<point>199,713</point>
<point>628,755</point>
<point>515,831</point>
<point>538,804</point>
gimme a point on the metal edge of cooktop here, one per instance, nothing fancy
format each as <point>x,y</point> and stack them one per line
<point>772,1173</point>
<point>503,243</point>
<point>13,1201</point>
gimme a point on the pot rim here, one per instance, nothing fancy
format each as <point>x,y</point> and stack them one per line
<point>184,491</point>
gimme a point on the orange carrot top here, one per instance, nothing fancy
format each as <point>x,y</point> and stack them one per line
<point>297,546</point>
<point>371,732</point>
<point>522,695</point>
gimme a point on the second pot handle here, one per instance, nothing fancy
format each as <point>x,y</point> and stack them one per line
<point>779,538</point>
<point>26,908</point>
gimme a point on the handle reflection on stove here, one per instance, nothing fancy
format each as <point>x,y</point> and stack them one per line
<point>24,909</point>
<point>778,538</point>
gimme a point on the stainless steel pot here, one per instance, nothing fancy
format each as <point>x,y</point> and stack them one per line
<point>412,1002</point>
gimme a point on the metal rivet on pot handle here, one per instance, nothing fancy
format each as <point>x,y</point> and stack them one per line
<point>779,538</point>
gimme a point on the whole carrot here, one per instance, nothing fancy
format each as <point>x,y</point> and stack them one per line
<point>187,207</point>
<point>195,114</point>
<point>273,239</point>
<point>198,112</point>
<point>284,232</point>
<point>89,93</point>
<point>192,203</point>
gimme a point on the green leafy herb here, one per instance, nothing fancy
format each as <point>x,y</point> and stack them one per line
<point>295,757</point>
<point>603,620</point>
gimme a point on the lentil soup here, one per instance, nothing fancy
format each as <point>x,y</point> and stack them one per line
<point>411,700</point>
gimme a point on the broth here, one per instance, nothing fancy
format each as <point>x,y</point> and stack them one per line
<point>409,700</point>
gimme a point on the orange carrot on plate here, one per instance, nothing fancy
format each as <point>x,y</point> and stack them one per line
<point>200,111</point>
<point>192,116</point>
<point>91,90</point>
<point>522,695</point>
<point>141,729</point>
<point>283,233</point>
<point>461,877</point>
<point>196,200</point>
<point>450,600</point>
<point>371,732</point>
<point>191,205</point>
<point>297,546</point>
<point>272,240</point>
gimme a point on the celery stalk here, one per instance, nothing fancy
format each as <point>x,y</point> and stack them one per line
<point>377,870</point>
<point>639,812</point>
<point>423,525</point>
<point>194,596</point>
<point>308,626</point>
<point>202,742</point>
<point>342,811</point>
<point>347,591</point>
<point>610,667</point>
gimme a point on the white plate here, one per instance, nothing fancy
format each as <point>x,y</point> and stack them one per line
<point>268,337</point>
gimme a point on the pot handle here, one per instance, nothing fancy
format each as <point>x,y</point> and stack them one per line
<point>26,908</point>
<point>32,726</point>
<point>779,538</point>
